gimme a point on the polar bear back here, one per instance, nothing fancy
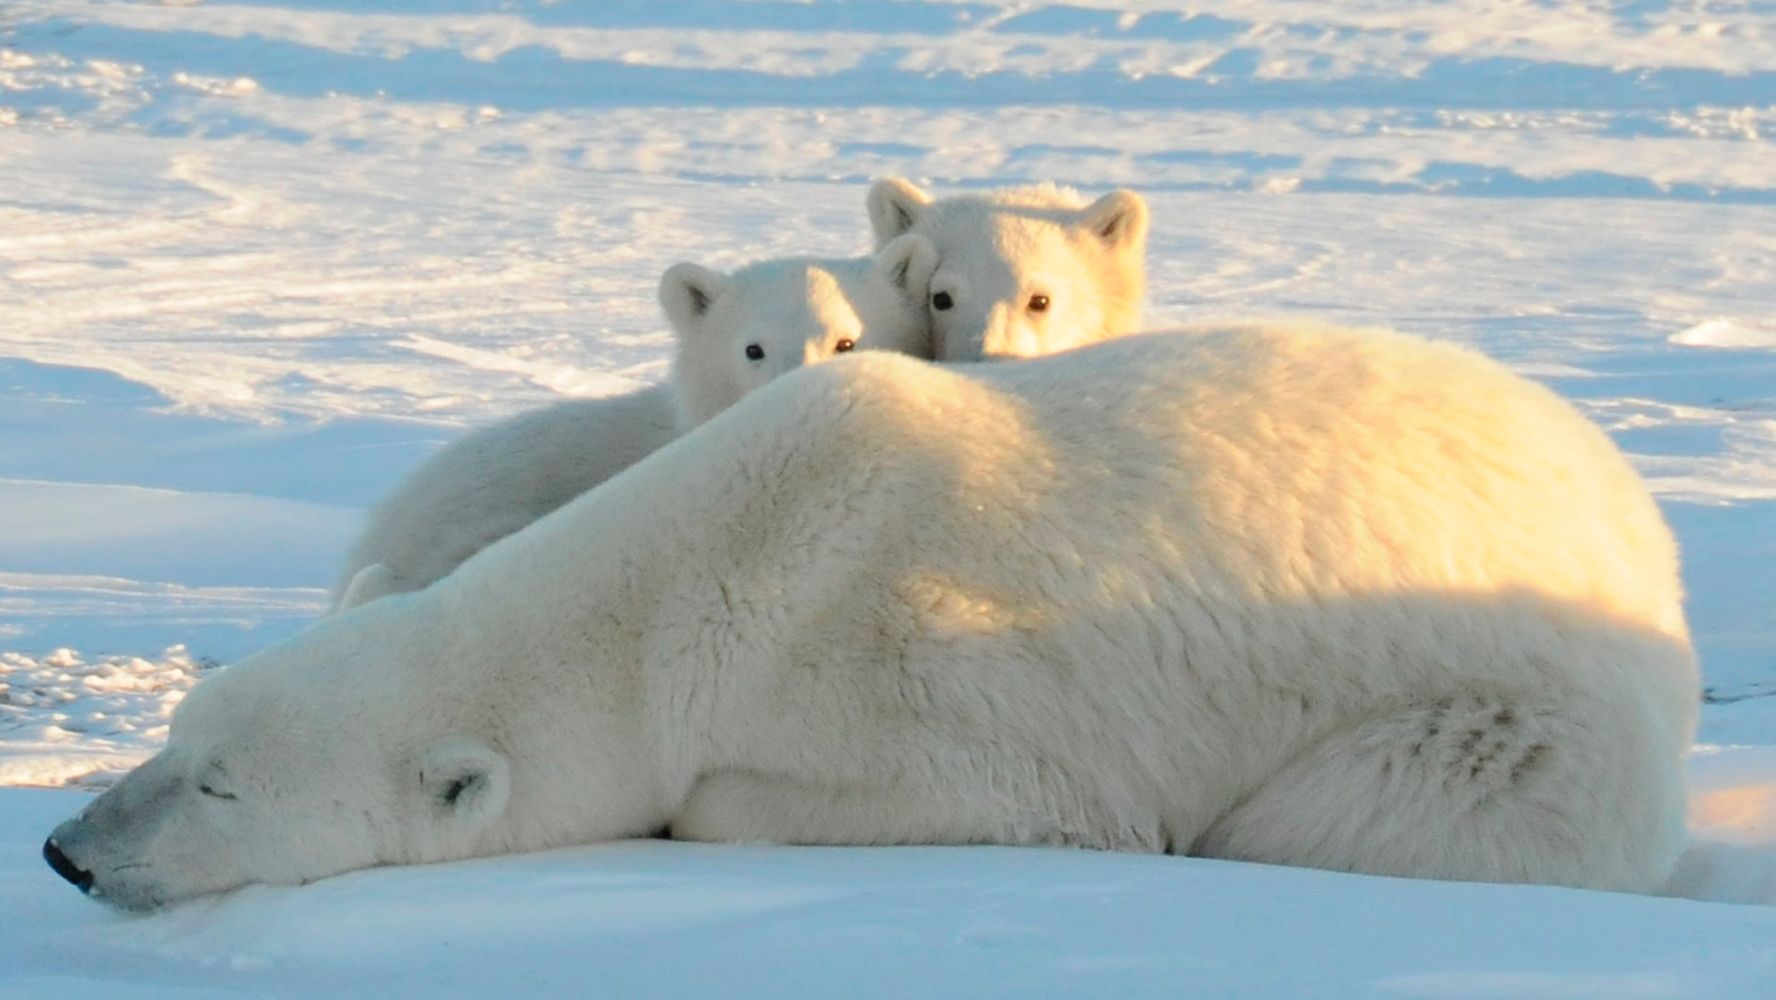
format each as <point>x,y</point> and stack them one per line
<point>1291,468</point>
<point>1314,461</point>
<point>1298,470</point>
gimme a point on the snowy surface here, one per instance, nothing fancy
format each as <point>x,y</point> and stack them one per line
<point>652,918</point>
<point>258,258</point>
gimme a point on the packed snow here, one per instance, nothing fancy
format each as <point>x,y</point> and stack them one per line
<point>261,257</point>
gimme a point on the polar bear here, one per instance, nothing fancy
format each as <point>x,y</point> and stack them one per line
<point>1023,271</point>
<point>734,332</point>
<point>1355,601</point>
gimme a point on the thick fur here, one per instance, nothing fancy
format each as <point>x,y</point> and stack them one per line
<point>492,482</point>
<point>1311,597</point>
<point>796,311</point>
<point>1023,271</point>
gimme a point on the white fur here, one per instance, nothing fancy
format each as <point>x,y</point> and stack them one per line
<point>1311,597</point>
<point>495,481</point>
<point>1001,250</point>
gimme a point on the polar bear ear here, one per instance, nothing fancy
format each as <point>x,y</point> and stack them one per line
<point>895,205</point>
<point>686,293</point>
<point>465,784</point>
<point>367,584</point>
<point>1119,219</point>
<point>906,264</point>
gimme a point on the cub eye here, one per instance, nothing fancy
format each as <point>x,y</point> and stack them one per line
<point>214,794</point>
<point>1038,303</point>
<point>844,345</point>
<point>754,352</point>
<point>942,301</point>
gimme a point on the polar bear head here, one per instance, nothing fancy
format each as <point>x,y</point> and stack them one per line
<point>738,331</point>
<point>349,746</point>
<point>1025,271</point>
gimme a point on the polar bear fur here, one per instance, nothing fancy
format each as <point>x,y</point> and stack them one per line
<point>1356,601</point>
<point>795,311</point>
<point>1023,271</point>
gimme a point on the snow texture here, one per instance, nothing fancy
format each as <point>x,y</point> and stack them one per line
<point>261,257</point>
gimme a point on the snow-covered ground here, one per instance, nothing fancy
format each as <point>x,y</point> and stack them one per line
<point>654,918</point>
<point>258,258</point>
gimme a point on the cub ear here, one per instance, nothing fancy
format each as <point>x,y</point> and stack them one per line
<point>367,584</point>
<point>895,204</point>
<point>906,264</point>
<point>466,783</point>
<point>686,293</point>
<point>1119,219</point>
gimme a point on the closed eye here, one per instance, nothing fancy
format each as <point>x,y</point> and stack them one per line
<point>214,794</point>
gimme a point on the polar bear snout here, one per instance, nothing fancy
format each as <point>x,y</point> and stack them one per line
<point>89,859</point>
<point>87,856</point>
<point>77,876</point>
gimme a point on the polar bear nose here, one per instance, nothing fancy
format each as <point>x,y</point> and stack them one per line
<point>80,877</point>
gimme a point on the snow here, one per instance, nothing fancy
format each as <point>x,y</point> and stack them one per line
<point>260,257</point>
<point>649,918</point>
<point>1728,334</point>
<point>66,721</point>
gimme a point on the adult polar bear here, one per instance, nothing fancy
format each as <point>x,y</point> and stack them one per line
<point>1347,600</point>
<point>734,332</point>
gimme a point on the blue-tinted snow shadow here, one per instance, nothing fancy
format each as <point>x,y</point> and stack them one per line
<point>1716,378</point>
<point>214,633</point>
<point>81,425</point>
<point>872,16</point>
<point>227,504</point>
<point>1470,180</point>
<point>1241,172</point>
<point>1729,559</point>
<point>665,918</point>
<point>1064,20</point>
<point>536,78</point>
<point>1729,546</point>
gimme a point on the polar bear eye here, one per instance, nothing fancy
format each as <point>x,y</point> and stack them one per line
<point>845,345</point>
<point>213,793</point>
<point>754,352</point>
<point>1038,303</point>
<point>942,301</point>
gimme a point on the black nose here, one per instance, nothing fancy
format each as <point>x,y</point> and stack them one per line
<point>82,879</point>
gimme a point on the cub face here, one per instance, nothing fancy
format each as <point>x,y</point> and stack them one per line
<point>1023,272</point>
<point>738,331</point>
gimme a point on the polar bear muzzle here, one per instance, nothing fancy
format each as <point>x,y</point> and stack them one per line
<point>77,876</point>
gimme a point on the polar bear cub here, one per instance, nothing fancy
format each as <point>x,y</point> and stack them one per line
<point>1024,271</point>
<point>734,333</point>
